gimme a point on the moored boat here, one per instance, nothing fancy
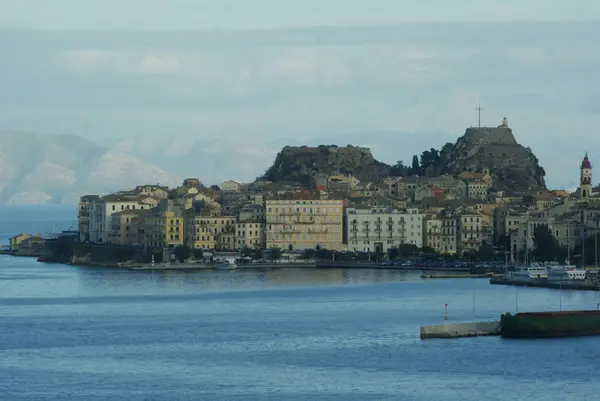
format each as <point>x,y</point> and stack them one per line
<point>226,264</point>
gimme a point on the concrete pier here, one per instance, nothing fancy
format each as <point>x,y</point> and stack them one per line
<point>457,330</point>
<point>560,285</point>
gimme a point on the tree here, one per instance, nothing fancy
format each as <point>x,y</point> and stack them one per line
<point>408,250</point>
<point>308,254</point>
<point>258,253</point>
<point>430,157</point>
<point>485,252</point>
<point>275,253</point>
<point>182,252</point>
<point>428,251</point>
<point>546,246</point>
<point>324,254</point>
<point>198,254</point>
<point>398,170</point>
<point>415,169</point>
<point>393,253</point>
<point>246,251</point>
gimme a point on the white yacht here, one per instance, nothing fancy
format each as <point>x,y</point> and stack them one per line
<point>566,273</point>
<point>226,264</point>
<point>533,271</point>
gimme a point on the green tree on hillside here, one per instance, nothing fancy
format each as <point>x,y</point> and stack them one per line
<point>415,168</point>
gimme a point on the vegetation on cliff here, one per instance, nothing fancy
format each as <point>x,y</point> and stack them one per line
<point>511,165</point>
<point>302,164</point>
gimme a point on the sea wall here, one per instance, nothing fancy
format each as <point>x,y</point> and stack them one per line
<point>455,330</point>
<point>68,251</point>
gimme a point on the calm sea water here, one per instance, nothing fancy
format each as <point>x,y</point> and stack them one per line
<point>69,333</point>
<point>35,219</point>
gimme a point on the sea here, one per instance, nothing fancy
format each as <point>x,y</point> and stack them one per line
<point>80,333</point>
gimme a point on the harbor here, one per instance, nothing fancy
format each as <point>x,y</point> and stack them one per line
<point>584,285</point>
<point>532,325</point>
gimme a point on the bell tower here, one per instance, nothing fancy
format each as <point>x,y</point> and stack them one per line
<point>585,185</point>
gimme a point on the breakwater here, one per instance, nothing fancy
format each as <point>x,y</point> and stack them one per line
<point>457,330</point>
<point>585,285</point>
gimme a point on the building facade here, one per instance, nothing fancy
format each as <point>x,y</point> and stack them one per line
<point>250,233</point>
<point>210,232</point>
<point>304,224</point>
<point>379,229</point>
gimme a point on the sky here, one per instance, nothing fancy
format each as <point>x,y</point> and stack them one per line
<point>253,73</point>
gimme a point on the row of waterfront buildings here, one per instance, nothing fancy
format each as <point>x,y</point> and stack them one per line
<point>371,217</point>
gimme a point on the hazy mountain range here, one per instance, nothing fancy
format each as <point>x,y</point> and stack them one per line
<point>37,169</point>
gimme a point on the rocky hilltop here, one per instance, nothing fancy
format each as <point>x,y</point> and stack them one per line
<point>303,163</point>
<point>38,169</point>
<point>513,166</point>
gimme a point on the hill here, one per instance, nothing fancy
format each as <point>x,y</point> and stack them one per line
<point>302,163</point>
<point>38,169</point>
<point>513,166</point>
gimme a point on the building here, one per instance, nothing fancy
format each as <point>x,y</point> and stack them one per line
<point>83,216</point>
<point>102,208</point>
<point>585,185</point>
<point>16,241</point>
<point>252,212</point>
<point>477,189</point>
<point>449,237</point>
<point>164,226</point>
<point>305,224</point>
<point>432,233</point>
<point>379,229</point>
<point>473,230</point>
<point>127,227</point>
<point>231,186</point>
<point>568,232</point>
<point>250,233</point>
<point>210,232</point>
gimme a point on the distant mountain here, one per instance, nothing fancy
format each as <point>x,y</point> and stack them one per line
<point>216,159</point>
<point>38,169</point>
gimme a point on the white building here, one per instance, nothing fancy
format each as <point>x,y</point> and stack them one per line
<point>101,211</point>
<point>379,229</point>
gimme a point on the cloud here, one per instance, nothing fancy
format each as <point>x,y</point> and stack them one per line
<point>242,89</point>
<point>96,61</point>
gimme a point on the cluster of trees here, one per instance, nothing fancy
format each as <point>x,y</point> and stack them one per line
<point>419,165</point>
<point>485,253</point>
<point>547,248</point>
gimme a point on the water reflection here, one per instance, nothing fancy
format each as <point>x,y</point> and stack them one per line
<point>117,281</point>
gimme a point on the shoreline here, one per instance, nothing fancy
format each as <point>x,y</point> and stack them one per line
<point>570,285</point>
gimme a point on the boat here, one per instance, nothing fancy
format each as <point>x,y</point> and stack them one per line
<point>531,272</point>
<point>226,264</point>
<point>550,324</point>
<point>566,273</point>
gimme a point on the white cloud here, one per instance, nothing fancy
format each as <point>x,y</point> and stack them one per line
<point>92,60</point>
<point>304,85</point>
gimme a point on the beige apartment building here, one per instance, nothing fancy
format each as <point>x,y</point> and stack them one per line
<point>164,226</point>
<point>210,232</point>
<point>305,224</point>
<point>474,229</point>
<point>250,233</point>
<point>432,233</point>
